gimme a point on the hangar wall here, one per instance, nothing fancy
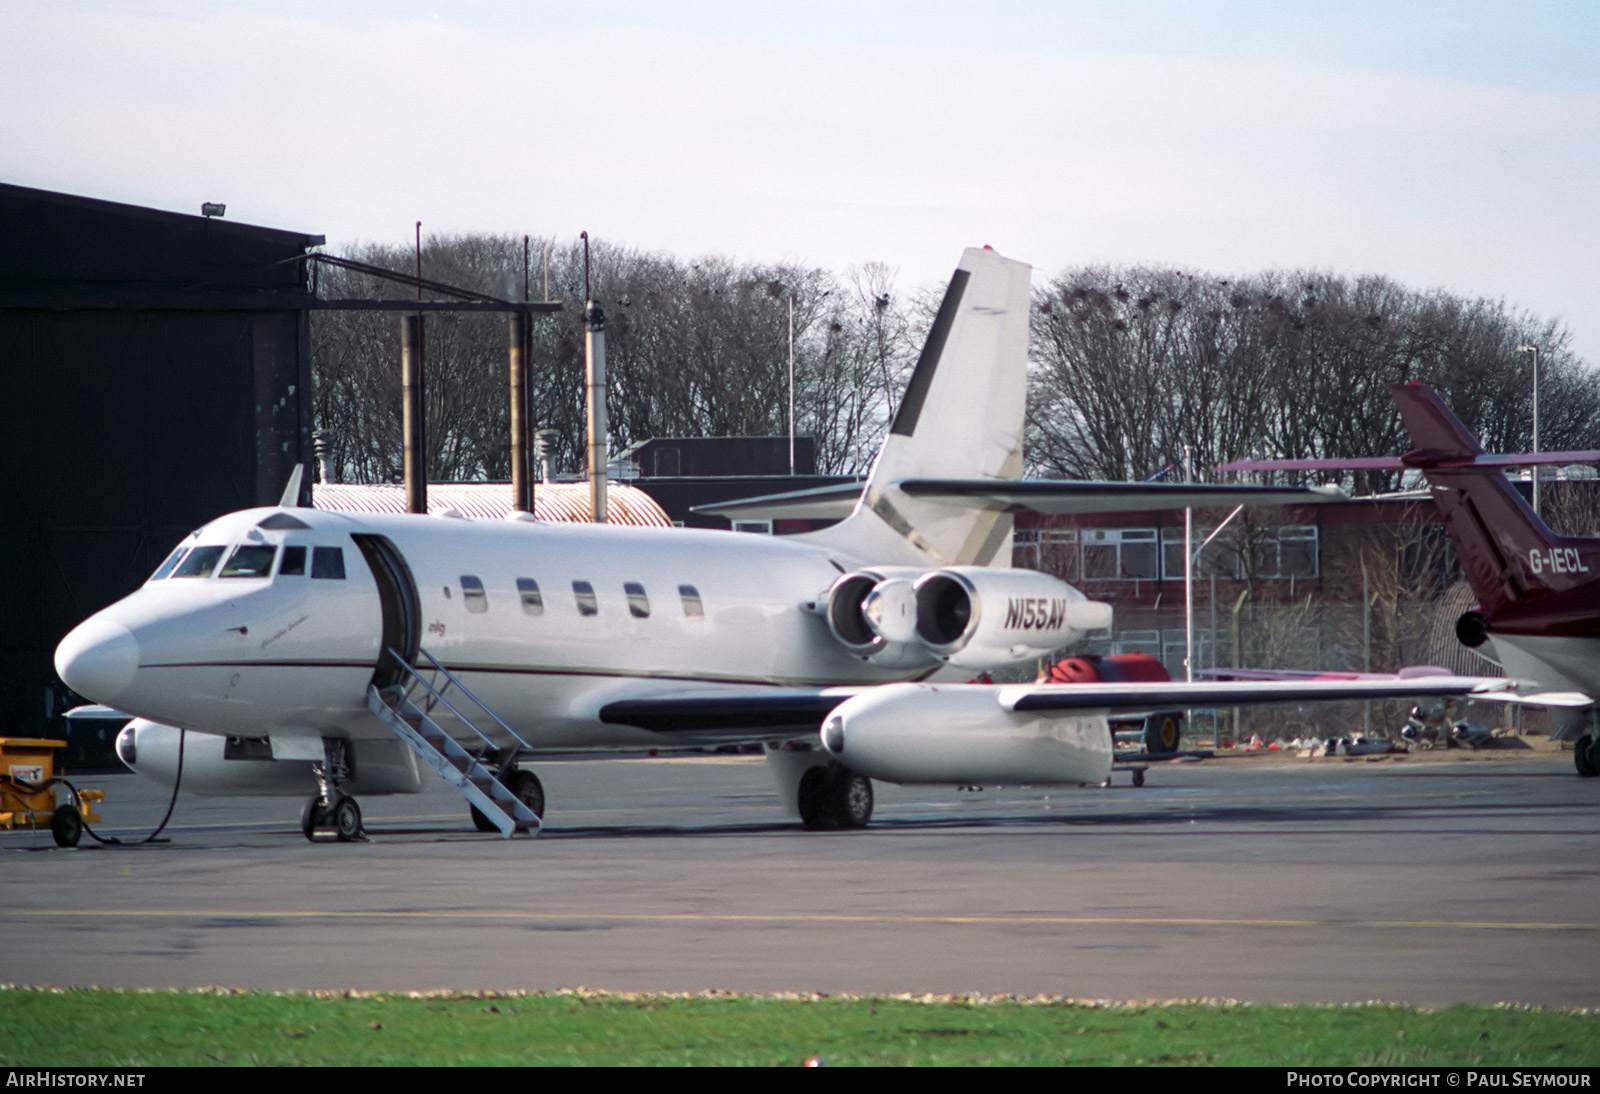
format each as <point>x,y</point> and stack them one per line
<point>157,373</point>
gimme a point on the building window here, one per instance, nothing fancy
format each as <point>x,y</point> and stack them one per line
<point>1125,553</point>
<point>1218,560</point>
<point>1289,551</point>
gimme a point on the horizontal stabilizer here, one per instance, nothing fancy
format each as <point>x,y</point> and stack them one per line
<point>1061,496</point>
<point>820,503</point>
<point>1052,497</point>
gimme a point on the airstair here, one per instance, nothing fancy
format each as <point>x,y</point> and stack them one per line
<point>414,708</point>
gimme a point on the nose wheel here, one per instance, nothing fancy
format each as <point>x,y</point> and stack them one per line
<point>330,809</point>
<point>343,819</point>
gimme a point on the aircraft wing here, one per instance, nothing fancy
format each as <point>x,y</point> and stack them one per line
<point>797,712</point>
<point>1178,695</point>
<point>1493,690</point>
<point>767,715</point>
<point>1418,460</point>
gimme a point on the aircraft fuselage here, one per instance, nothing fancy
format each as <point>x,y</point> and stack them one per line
<point>543,622</point>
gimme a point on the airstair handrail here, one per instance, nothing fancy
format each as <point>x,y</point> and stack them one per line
<point>438,696</point>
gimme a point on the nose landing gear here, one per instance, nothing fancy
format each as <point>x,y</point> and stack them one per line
<point>330,809</point>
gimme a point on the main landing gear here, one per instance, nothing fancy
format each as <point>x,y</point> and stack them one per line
<point>330,809</point>
<point>528,789</point>
<point>1586,756</point>
<point>835,797</point>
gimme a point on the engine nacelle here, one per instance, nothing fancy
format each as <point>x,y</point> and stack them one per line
<point>1472,630</point>
<point>214,764</point>
<point>872,613</point>
<point>961,734</point>
<point>976,617</point>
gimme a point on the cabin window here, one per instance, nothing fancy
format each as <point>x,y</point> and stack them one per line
<point>250,561</point>
<point>294,562</point>
<point>584,592</point>
<point>169,564</point>
<point>638,602</point>
<point>200,563</point>
<point>532,598</point>
<point>692,608</point>
<point>327,562</point>
<point>472,592</point>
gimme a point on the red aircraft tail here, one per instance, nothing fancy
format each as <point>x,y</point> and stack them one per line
<point>1507,552</point>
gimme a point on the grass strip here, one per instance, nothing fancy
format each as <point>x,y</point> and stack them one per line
<point>93,1027</point>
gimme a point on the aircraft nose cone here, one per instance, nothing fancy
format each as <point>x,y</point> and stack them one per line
<point>98,659</point>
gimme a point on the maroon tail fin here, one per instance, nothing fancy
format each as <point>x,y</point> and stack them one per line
<point>1508,553</point>
<point>1436,433</point>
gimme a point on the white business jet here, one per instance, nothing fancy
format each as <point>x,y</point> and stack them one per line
<point>289,644</point>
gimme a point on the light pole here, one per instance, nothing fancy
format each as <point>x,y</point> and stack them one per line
<point>1535,351</point>
<point>776,289</point>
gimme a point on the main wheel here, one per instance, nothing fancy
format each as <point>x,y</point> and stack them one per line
<point>813,803</point>
<point>347,820</point>
<point>852,798</point>
<point>1162,733</point>
<point>312,817</point>
<point>835,797</point>
<point>481,822</point>
<point>66,825</point>
<point>1583,757</point>
<point>530,791</point>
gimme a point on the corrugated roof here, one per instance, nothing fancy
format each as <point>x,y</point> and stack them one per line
<point>492,501</point>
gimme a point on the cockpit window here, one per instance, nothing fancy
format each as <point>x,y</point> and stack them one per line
<point>294,562</point>
<point>166,567</point>
<point>199,562</point>
<point>327,562</point>
<point>250,561</point>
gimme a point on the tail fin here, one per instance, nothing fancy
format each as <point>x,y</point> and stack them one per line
<point>961,418</point>
<point>1508,553</point>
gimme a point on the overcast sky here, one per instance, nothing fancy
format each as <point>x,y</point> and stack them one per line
<point>1442,144</point>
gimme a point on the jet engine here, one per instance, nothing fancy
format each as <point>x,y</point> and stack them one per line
<point>872,613</point>
<point>972,617</point>
<point>961,734</point>
<point>214,764</point>
<point>976,617</point>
